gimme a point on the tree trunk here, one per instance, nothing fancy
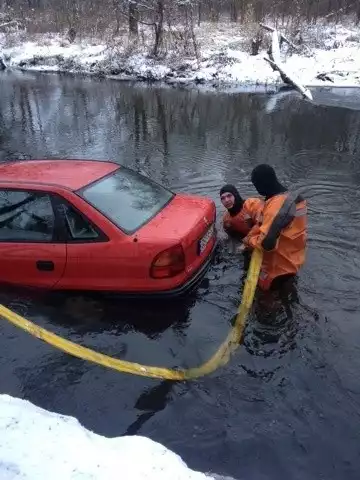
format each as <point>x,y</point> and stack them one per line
<point>309,11</point>
<point>193,36</point>
<point>259,10</point>
<point>243,8</point>
<point>72,15</point>
<point>117,24</point>
<point>133,18</point>
<point>234,14</point>
<point>158,39</point>
<point>159,27</point>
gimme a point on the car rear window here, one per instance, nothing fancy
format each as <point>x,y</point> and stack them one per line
<point>127,198</point>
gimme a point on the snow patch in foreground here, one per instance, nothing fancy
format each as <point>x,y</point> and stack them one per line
<point>39,445</point>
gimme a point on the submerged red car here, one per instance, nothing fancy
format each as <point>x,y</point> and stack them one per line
<point>96,225</point>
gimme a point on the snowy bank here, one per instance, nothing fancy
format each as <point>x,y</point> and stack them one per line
<point>39,445</point>
<point>224,57</point>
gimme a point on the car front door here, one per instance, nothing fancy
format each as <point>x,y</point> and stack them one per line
<point>30,252</point>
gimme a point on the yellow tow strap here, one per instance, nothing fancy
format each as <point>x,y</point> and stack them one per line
<point>220,357</point>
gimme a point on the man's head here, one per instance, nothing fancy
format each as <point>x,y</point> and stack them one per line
<point>265,181</point>
<point>231,199</point>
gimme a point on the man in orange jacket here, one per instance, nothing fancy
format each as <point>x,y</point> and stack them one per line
<point>241,215</point>
<point>281,231</point>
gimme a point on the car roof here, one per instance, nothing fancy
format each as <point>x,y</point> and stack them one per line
<point>70,174</point>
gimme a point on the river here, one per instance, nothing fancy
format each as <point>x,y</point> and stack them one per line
<point>288,403</point>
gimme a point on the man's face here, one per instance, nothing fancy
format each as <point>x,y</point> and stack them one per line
<point>227,199</point>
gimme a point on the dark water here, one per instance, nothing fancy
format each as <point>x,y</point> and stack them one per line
<point>288,403</point>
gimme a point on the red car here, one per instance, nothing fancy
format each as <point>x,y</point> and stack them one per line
<point>96,225</point>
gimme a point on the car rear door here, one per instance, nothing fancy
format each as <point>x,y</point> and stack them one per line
<point>98,256</point>
<point>30,253</point>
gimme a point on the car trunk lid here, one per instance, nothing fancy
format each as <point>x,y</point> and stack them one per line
<point>188,220</point>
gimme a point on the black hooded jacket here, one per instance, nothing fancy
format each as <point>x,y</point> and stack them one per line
<point>265,181</point>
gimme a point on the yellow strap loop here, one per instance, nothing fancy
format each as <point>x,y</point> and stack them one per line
<point>220,357</point>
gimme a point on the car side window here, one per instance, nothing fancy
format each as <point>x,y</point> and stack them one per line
<point>78,227</point>
<point>26,216</point>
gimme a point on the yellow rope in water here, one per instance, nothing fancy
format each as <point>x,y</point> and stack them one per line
<point>220,357</point>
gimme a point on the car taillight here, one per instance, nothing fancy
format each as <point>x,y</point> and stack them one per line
<point>168,263</point>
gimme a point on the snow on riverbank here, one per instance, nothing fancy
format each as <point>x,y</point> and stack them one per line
<point>224,57</point>
<point>39,445</point>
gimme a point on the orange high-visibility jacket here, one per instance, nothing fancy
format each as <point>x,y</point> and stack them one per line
<point>281,234</point>
<point>248,216</point>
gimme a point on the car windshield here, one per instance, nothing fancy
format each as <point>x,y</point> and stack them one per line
<point>127,198</point>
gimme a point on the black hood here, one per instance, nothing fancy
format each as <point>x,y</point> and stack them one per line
<point>265,181</point>
<point>239,202</point>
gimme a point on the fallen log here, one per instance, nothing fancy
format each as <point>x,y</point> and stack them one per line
<point>291,80</point>
<point>287,77</point>
<point>282,36</point>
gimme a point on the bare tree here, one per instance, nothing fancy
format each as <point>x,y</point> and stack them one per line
<point>158,26</point>
<point>133,17</point>
<point>234,13</point>
<point>98,16</point>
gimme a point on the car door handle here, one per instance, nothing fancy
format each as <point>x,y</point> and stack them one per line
<point>45,265</point>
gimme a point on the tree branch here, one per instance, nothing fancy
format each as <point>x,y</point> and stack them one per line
<point>142,5</point>
<point>138,4</point>
<point>340,10</point>
<point>8,23</point>
<point>128,15</point>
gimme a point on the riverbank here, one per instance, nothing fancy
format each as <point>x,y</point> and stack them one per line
<point>329,51</point>
<point>38,444</point>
